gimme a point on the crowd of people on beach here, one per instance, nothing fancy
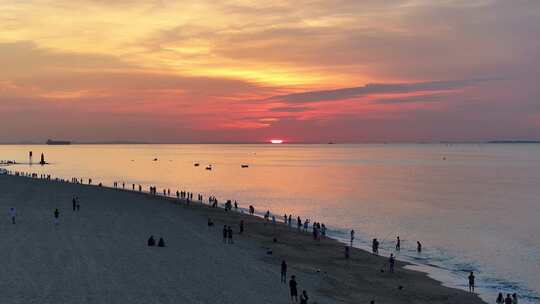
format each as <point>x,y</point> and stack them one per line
<point>318,230</point>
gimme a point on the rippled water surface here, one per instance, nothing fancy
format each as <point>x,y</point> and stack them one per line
<point>473,206</point>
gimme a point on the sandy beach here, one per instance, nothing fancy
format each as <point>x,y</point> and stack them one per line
<point>99,254</point>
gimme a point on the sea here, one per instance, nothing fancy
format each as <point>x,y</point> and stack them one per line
<point>474,207</point>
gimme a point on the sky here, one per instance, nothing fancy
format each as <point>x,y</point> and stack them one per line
<point>250,71</point>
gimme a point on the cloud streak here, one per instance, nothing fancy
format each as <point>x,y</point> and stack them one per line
<point>377,88</point>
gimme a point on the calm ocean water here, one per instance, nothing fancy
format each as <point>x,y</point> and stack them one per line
<point>475,207</point>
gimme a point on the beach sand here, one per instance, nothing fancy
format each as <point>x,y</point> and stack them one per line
<point>99,254</point>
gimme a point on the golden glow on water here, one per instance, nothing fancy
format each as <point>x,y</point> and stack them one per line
<point>447,196</point>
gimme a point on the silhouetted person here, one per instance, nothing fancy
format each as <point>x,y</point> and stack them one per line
<point>56,216</point>
<point>352,237</point>
<point>347,252</point>
<point>224,234</point>
<point>161,242</point>
<point>241,226</point>
<point>398,244</point>
<point>418,246</point>
<point>392,262</point>
<point>508,299</point>
<point>293,289</point>
<point>514,299</point>
<point>151,242</point>
<point>471,282</point>
<point>500,299</point>
<point>304,297</point>
<point>74,203</point>
<point>375,246</point>
<point>283,272</point>
<point>210,223</point>
<point>12,214</point>
<point>230,234</point>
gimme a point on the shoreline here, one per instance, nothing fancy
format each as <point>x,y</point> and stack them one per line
<point>356,280</point>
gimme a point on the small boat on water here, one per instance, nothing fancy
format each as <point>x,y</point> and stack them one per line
<point>245,166</point>
<point>196,164</point>
<point>209,167</point>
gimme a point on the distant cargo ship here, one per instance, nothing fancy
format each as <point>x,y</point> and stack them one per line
<point>58,142</point>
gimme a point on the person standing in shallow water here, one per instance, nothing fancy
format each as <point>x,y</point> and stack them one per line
<point>418,246</point>
<point>471,282</point>
<point>283,272</point>
<point>352,237</point>
<point>398,244</point>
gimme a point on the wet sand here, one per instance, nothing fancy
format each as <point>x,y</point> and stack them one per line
<point>99,254</point>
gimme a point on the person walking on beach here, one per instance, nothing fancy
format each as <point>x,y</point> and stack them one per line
<point>283,272</point>
<point>12,214</point>
<point>471,282</point>
<point>293,289</point>
<point>304,297</point>
<point>352,237</point>
<point>74,203</point>
<point>398,244</point>
<point>56,216</point>
<point>224,234</point>
<point>392,262</point>
<point>230,234</point>
<point>375,246</point>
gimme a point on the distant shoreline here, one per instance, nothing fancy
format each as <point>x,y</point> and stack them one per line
<point>285,143</point>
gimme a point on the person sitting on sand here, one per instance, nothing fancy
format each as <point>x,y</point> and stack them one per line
<point>283,272</point>
<point>293,289</point>
<point>471,282</point>
<point>161,242</point>
<point>304,297</point>
<point>224,234</point>
<point>151,242</point>
<point>392,262</point>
